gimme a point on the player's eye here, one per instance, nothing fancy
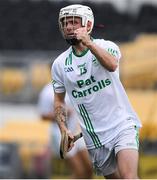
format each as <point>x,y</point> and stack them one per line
<point>75,22</point>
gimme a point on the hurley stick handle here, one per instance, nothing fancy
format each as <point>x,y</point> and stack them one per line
<point>76,137</point>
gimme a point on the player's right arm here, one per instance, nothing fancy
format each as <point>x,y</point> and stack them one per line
<point>60,110</point>
<point>57,72</point>
<point>61,113</point>
<point>61,117</point>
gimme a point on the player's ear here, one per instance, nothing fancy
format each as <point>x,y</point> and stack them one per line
<point>89,25</point>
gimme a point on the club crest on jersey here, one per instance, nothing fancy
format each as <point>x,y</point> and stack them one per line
<point>95,61</point>
<point>82,68</point>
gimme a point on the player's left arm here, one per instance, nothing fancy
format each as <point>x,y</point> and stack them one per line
<point>107,60</point>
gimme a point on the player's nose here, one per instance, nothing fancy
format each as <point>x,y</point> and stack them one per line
<point>69,27</point>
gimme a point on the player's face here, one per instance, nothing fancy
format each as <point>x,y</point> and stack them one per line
<point>69,24</point>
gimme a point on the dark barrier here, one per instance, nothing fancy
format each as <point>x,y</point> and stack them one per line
<point>33,25</point>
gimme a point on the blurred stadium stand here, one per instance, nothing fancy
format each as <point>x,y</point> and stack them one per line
<point>29,154</point>
<point>139,62</point>
<point>30,40</point>
<point>33,25</point>
<point>10,161</point>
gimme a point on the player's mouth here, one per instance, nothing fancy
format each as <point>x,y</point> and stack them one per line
<point>70,36</point>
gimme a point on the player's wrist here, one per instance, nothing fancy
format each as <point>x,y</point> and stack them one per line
<point>63,127</point>
<point>89,43</point>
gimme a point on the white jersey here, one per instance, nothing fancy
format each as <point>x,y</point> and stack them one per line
<point>97,94</point>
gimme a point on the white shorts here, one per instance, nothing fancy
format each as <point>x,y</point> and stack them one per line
<point>104,158</point>
<point>55,138</point>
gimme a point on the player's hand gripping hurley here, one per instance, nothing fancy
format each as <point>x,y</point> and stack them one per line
<point>65,143</point>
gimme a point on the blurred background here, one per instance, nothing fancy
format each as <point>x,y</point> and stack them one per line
<point>30,40</point>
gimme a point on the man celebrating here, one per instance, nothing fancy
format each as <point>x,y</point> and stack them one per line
<point>89,72</point>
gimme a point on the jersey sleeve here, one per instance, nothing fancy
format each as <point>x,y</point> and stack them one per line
<point>112,48</point>
<point>57,78</point>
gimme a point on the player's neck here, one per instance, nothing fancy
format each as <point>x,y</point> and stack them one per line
<point>79,49</point>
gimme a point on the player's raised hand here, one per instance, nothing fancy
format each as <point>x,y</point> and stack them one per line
<point>82,34</point>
